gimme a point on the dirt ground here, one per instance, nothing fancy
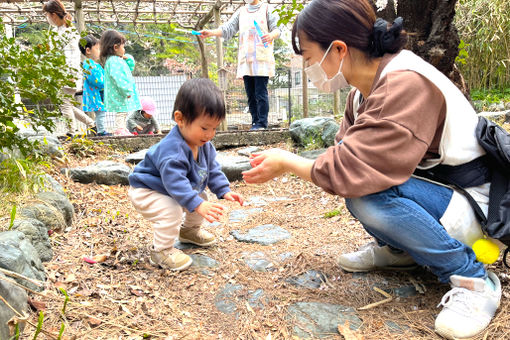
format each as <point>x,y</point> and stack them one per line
<point>124,297</point>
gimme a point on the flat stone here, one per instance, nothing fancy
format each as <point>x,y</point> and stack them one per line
<point>203,261</point>
<point>257,298</point>
<point>226,299</point>
<point>311,279</point>
<point>105,172</point>
<point>263,234</point>
<point>405,291</point>
<point>285,256</point>
<point>240,215</point>
<point>256,201</point>
<point>258,261</point>
<point>395,327</point>
<point>136,157</point>
<point>320,320</point>
<point>184,246</point>
<point>248,151</point>
<point>230,295</point>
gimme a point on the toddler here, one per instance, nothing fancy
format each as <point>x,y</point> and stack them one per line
<point>120,92</point>
<point>143,122</point>
<point>93,83</point>
<point>171,179</point>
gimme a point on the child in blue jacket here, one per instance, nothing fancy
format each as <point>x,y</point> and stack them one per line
<point>93,83</point>
<point>120,92</point>
<point>172,177</point>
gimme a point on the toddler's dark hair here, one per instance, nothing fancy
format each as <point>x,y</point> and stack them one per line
<point>87,42</point>
<point>108,40</point>
<point>199,96</point>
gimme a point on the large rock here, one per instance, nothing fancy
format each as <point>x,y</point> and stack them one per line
<point>233,166</point>
<point>36,232</point>
<point>59,202</point>
<point>136,157</point>
<point>18,255</point>
<point>16,297</point>
<point>319,131</point>
<point>52,218</point>
<point>51,184</point>
<point>48,144</point>
<point>105,172</point>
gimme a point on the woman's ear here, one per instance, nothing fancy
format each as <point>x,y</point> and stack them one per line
<point>341,47</point>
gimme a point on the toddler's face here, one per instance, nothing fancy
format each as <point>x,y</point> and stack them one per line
<point>200,131</point>
<point>93,52</point>
<point>119,50</point>
<point>146,115</point>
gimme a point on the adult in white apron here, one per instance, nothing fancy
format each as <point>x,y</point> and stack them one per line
<point>255,62</point>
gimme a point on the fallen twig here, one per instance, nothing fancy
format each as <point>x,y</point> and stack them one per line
<point>21,286</point>
<point>19,276</point>
<point>375,304</point>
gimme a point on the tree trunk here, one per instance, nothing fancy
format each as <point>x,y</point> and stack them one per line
<point>432,33</point>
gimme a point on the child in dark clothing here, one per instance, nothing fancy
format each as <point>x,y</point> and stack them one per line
<point>172,178</point>
<point>143,122</point>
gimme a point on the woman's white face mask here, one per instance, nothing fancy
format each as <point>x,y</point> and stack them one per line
<point>319,78</point>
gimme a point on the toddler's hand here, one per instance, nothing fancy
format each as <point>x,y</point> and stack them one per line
<point>139,128</point>
<point>210,211</point>
<point>233,196</point>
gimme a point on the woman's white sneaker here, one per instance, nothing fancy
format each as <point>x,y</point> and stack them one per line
<point>373,257</point>
<point>468,307</point>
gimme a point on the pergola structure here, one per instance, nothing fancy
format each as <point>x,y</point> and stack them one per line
<point>185,13</point>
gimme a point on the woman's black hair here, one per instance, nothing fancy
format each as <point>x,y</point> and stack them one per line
<point>352,21</point>
<point>88,41</point>
<point>109,39</point>
<point>199,96</point>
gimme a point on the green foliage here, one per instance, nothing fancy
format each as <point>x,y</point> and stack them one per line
<point>484,28</point>
<point>287,13</point>
<point>463,54</point>
<point>36,73</point>
<point>22,174</point>
<point>66,300</point>
<point>13,216</point>
<point>332,213</point>
<point>491,96</point>
<point>82,147</point>
<point>39,325</point>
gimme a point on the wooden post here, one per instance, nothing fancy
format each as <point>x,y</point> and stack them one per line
<point>305,91</point>
<point>78,15</point>
<point>222,74</point>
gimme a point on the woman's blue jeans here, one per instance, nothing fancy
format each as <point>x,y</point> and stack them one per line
<point>406,217</point>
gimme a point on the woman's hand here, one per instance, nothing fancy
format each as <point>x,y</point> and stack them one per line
<point>268,38</point>
<point>210,211</point>
<point>266,165</point>
<point>210,33</point>
<point>233,196</point>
